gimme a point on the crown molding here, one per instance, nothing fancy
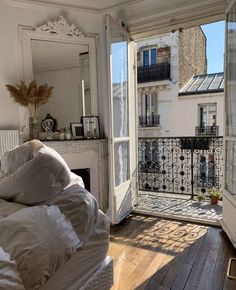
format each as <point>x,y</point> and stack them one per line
<point>48,4</point>
<point>191,15</point>
<point>84,9</point>
<point>196,8</point>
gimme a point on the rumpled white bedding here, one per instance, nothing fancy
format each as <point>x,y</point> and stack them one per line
<point>10,278</point>
<point>40,239</point>
<point>82,266</point>
<point>36,241</point>
<point>80,207</point>
<point>6,208</point>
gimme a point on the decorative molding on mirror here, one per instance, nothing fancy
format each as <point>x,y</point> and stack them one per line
<point>59,27</point>
<point>59,31</point>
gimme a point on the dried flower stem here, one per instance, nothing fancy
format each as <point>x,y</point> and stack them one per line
<point>31,96</point>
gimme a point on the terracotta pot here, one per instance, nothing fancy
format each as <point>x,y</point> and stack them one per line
<point>214,200</point>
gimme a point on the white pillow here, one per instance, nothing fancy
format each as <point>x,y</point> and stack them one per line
<point>37,180</point>
<point>40,239</point>
<point>15,158</point>
<point>10,278</point>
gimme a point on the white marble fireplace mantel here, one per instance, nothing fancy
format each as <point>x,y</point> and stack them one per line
<point>90,154</point>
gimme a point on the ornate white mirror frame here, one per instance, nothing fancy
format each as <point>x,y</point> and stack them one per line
<point>60,31</point>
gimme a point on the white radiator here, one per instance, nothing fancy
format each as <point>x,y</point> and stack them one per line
<point>8,140</point>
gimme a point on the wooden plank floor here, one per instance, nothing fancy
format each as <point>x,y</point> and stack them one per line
<point>158,254</point>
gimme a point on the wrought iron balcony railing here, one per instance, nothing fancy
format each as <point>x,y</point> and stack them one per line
<point>149,121</point>
<point>165,165</point>
<point>207,131</point>
<point>154,72</point>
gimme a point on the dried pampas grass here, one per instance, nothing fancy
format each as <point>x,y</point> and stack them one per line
<point>31,96</point>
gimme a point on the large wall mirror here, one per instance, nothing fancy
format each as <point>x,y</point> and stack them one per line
<point>58,54</point>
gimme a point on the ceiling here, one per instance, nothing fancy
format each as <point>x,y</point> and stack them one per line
<point>109,5</point>
<point>146,17</point>
<point>162,16</point>
<point>88,5</point>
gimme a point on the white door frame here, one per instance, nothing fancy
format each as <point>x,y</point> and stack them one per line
<point>122,197</point>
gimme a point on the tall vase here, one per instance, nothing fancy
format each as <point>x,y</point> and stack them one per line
<point>34,128</point>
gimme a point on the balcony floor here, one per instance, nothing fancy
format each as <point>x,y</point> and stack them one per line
<point>178,207</point>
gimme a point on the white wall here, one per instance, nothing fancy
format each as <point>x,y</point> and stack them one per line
<point>186,113</point>
<point>11,70</point>
<point>165,118</point>
<point>9,117</point>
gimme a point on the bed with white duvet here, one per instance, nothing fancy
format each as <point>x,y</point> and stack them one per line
<point>52,234</point>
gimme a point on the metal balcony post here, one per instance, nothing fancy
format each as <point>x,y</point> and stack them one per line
<point>192,177</point>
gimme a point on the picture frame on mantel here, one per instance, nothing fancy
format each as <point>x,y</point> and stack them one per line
<point>77,130</point>
<point>91,128</point>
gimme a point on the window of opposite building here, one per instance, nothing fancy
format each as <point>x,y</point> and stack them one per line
<point>153,55</point>
<point>148,110</point>
<point>149,56</point>
<point>149,104</point>
<point>207,114</point>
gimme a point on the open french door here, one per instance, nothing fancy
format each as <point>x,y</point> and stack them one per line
<point>229,200</point>
<point>122,121</point>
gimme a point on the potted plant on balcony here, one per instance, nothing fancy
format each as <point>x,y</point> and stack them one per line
<point>201,196</point>
<point>215,195</point>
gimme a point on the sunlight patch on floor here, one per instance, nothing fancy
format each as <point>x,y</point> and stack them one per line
<point>150,248</point>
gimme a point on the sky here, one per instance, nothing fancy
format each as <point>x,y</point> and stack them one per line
<point>215,34</point>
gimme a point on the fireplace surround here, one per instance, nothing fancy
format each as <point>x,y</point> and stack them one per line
<point>91,155</point>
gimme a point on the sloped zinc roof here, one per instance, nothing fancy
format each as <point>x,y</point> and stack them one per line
<point>204,84</point>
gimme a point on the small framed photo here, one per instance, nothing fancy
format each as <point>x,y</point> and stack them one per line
<point>77,130</point>
<point>91,127</point>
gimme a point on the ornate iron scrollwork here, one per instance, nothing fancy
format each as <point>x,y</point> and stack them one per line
<point>184,165</point>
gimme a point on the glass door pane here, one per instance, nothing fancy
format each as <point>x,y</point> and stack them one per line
<point>121,162</point>
<point>119,54</point>
<point>230,101</point>
<point>231,72</point>
<point>120,100</point>
<point>230,178</point>
<point>146,57</point>
<point>153,56</point>
<point>122,121</point>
